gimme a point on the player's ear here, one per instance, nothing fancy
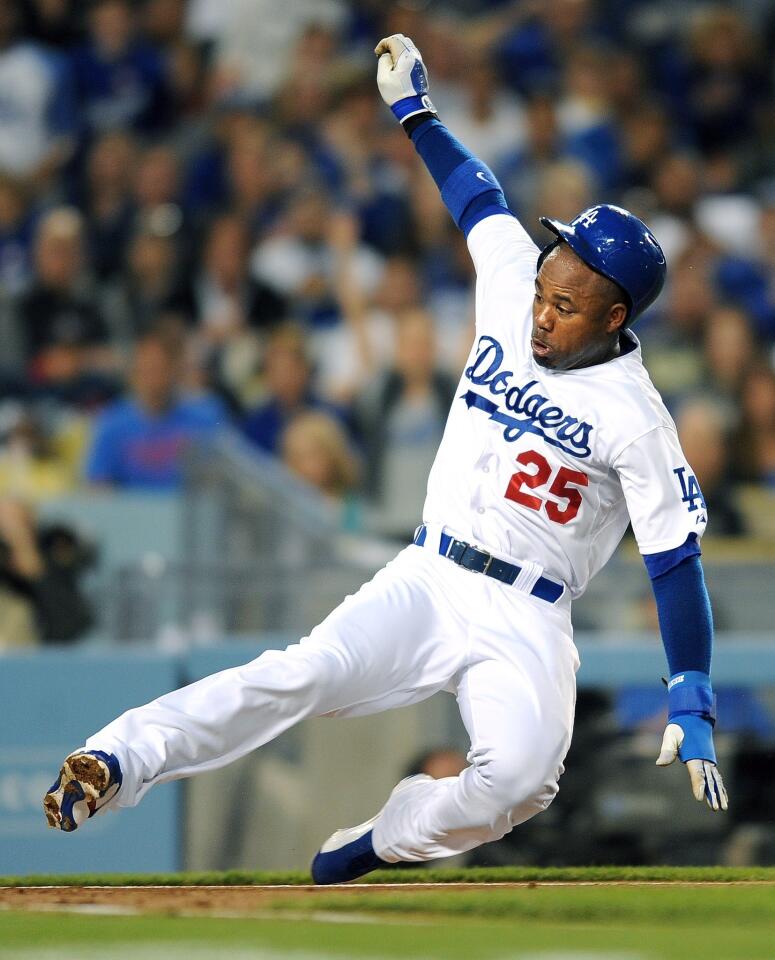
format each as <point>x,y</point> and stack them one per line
<point>617,315</point>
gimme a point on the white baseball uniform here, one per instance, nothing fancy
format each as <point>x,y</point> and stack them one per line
<point>541,468</point>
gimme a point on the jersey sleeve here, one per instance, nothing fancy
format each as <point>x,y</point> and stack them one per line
<point>501,241</point>
<point>664,500</point>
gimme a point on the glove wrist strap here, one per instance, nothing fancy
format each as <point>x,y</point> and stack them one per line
<point>411,106</point>
<point>691,693</point>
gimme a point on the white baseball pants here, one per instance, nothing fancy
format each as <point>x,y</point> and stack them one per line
<point>421,625</point>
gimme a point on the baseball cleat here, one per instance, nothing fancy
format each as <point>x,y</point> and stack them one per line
<point>87,781</point>
<point>349,853</point>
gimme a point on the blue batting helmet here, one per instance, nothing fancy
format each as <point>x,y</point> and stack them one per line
<point>618,245</point>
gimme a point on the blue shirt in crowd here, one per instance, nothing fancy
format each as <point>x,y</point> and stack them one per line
<point>129,91</point>
<point>134,450</point>
<point>265,425</point>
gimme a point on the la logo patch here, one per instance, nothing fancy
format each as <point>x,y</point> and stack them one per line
<point>589,217</point>
<point>690,490</point>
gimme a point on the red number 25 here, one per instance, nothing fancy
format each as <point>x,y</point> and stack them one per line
<point>563,487</point>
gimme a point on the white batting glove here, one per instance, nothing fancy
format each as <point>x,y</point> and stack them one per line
<point>402,78</point>
<point>705,776</point>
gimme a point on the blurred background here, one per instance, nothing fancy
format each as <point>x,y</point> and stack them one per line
<point>233,312</point>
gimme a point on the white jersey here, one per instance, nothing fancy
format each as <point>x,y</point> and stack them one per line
<point>549,466</point>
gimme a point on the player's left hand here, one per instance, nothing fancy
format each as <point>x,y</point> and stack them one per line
<point>688,740</point>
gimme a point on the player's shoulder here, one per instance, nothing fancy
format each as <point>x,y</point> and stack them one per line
<point>627,399</point>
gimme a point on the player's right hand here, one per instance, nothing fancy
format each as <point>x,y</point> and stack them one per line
<point>401,76</point>
<point>681,740</point>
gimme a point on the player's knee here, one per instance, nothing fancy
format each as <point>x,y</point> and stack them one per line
<point>516,787</point>
<point>533,800</point>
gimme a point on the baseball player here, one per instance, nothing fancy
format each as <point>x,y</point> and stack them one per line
<point>556,440</point>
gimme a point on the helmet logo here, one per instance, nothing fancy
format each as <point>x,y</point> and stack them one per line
<point>589,217</point>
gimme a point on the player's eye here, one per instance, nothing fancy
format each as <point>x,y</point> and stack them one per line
<point>562,310</point>
<point>537,297</point>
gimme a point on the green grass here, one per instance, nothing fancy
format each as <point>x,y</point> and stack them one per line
<point>557,922</point>
<point>715,906</point>
<point>440,875</point>
<point>49,937</point>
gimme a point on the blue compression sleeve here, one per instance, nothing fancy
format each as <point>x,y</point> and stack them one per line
<point>685,618</point>
<point>468,186</point>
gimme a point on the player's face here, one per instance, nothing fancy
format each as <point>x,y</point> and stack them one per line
<point>575,324</point>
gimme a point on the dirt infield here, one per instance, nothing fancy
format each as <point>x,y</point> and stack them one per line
<point>252,900</point>
<point>202,900</point>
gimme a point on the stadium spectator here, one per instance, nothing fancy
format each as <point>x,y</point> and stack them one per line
<point>585,115</point>
<point>254,178</point>
<point>64,333</point>
<point>532,51</point>
<point>704,430</point>
<point>157,188</point>
<point>302,98</point>
<point>645,138</point>
<point>315,448</point>
<point>150,286</point>
<point>755,453</point>
<point>164,22</point>
<point>140,442</point>
<point>288,392</point>
<point>727,82</point>
<point>729,351</point>
<point>485,117</point>
<point>252,41</point>
<point>520,171</point>
<point>400,421</point>
<point>438,762</point>
<point>119,77</point>
<point>225,297</point>
<point>563,187</point>
<point>41,599</point>
<point>16,232</point>
<point>352,156</point>
<point>231,310</point>
<point>298,263</point>
<point>37,119</point>
<point>107,201</point>
<point>39,455</point>
<point>675,337</point>
<point>54,23</point>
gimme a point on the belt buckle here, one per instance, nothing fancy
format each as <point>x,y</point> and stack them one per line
<point>487,565</point>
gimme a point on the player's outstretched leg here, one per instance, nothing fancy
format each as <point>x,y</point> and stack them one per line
<point>388,645</point>
<point>87,781</point>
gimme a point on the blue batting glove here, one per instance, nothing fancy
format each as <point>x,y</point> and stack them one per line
<point>689,735</point>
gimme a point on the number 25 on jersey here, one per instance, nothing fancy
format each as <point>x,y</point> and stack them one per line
<point>563,487</point>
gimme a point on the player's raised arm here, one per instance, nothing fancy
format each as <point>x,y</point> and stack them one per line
<point>468,187</point>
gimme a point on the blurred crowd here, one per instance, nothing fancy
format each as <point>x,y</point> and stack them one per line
<point>208,218</point>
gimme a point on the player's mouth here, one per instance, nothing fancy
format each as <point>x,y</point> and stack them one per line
<point>540,349</point>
